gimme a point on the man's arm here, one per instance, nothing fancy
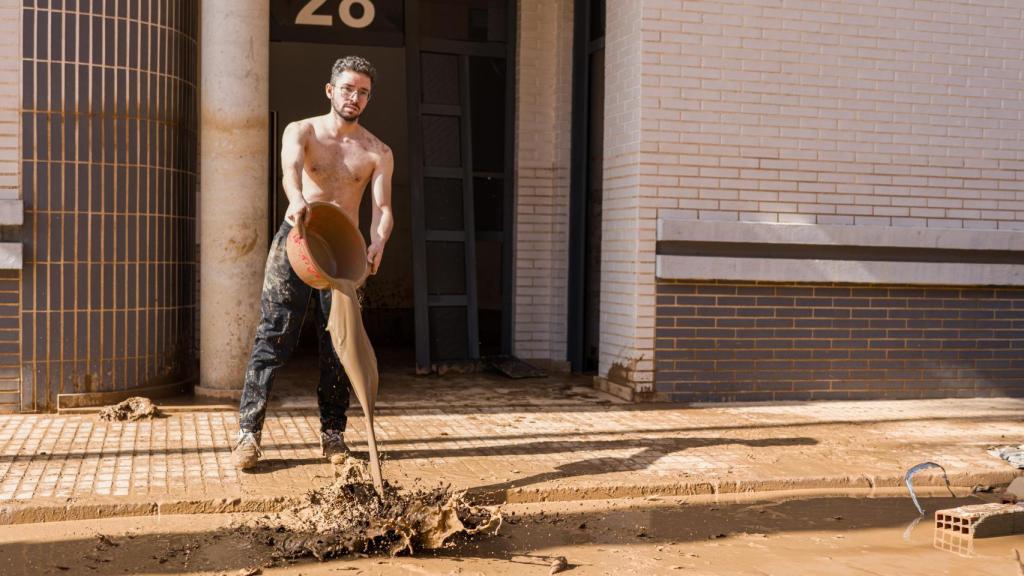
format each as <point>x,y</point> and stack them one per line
<point>293,151</point>
<point>383,221</point>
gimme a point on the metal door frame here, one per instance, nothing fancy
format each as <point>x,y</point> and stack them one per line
<point>415,45</point>
<point>579,169</point>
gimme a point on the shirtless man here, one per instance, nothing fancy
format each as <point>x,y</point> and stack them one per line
<point>328,158</point>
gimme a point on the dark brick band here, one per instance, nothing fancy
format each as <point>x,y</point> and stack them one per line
<point>838,252</point>
<point>746,341</point>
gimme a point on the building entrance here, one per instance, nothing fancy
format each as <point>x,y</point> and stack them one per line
<point>298,72</point>
<point>443,102</point>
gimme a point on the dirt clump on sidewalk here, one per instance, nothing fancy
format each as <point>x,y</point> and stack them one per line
<point>134,408</point>
<point>349,517</point>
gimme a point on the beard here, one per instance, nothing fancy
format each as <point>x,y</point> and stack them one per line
<point>346,115</point>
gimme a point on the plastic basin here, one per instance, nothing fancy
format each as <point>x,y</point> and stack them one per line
<point>330,249</point>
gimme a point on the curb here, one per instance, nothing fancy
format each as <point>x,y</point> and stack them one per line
<point>926,485</point>
<point>869,485</point>
<point>31,513</point>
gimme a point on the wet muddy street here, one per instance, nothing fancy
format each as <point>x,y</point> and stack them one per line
<point>834,536</point>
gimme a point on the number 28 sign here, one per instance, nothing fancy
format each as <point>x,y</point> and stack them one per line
<point>353,22</point>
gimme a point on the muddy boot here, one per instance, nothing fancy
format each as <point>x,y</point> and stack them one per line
<point>247,450</point>
<point>333,446</point>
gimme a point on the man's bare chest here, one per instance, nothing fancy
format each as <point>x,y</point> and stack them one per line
<point>339,165</point>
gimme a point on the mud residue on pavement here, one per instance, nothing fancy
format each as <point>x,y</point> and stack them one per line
<point>134,408</point>
<point>349,517</point>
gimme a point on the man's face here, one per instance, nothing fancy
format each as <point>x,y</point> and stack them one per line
<point>349,94</point>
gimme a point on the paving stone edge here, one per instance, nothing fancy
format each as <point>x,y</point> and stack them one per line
<point>872,485</point>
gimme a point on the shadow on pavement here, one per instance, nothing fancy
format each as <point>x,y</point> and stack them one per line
<point>652,450</point>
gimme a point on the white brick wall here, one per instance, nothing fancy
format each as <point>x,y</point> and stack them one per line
<point>902,113</point>
<point>543,122</point>
<point>10,99</point>
<point>879,112</point>
<point>629,221</point>
<point>10,156</point>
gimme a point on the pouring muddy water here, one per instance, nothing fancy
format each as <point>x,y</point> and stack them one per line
<point>328,251</point>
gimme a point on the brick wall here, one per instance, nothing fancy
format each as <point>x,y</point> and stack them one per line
<point>10,189</point>
<point>748,341</point>
<point>543,116</point>
<point>859,113</point>
<point>836,111</point>
<point>10,340</point>
<point>628,223</point>
<point>10,99</point>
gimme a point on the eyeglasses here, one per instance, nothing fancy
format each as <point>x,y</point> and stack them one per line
<point>346,92</point>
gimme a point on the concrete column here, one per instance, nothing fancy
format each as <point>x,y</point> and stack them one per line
<point>233,187</point>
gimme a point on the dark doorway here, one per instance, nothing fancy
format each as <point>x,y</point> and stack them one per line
<point>444,103</point>
<point>586,185</point>
<point>298,73</point>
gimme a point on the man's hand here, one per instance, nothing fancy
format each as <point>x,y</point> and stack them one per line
<point>373,256</point>
<point>296,210</point>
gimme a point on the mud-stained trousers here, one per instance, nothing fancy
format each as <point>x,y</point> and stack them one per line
<point>282,308</point>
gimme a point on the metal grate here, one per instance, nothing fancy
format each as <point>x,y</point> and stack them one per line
<point>440,78</point>
<point>442,145</point>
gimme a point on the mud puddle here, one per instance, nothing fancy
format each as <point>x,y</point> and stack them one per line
<point>659,536</point>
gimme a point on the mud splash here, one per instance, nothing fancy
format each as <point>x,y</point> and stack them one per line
<point>348,517</point>
<point>353,348</point>
<point>134,408</point>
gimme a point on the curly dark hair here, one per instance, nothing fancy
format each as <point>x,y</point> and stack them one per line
<point>354,64</point>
